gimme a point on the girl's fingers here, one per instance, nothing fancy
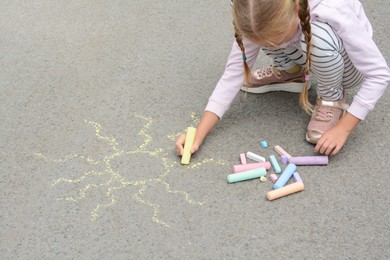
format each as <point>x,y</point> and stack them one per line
<point>180,144</point>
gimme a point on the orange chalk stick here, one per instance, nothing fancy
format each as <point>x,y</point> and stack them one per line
<point>286,190</point>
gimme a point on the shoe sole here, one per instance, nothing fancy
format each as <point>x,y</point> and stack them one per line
<point>292,87</point>
<point>312,141</point>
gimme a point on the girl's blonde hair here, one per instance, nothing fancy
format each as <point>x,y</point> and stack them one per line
<point>263,19</point>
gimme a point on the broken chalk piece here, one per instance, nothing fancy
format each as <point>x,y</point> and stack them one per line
<point>255,157</point>
<point>309,160</point>
<point>285,176</point>
<point>264,144</point>
<point>190,138</point>
<point>273,177</point>
<point>246,175</point>
<point>281,151</point>
<point>250,166</point>
<point>284,159</point>
<point>297,177</point>
<point>263,178</point>
<point>243,158</point>
<point>286,190</point>
<point>275,164</point>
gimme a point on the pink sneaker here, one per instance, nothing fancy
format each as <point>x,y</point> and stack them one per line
<point>326,114</point>
<point>270,79</point>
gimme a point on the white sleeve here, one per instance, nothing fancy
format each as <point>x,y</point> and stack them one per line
<point>353,27</point>
<point>232,79</point>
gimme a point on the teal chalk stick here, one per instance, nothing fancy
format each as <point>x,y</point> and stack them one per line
<point>275,164</point>
<point>246,175</point>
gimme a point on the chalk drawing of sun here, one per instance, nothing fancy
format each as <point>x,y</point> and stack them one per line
<point>107,176</point>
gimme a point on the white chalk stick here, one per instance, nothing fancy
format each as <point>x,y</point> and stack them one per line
<point>255,157</point>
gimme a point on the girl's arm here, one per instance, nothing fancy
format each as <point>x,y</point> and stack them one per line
<point>347,18</point>
<point>224,93</point>
<point>207,123</point>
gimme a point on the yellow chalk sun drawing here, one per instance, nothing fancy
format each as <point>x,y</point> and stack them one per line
<point>106,177</point>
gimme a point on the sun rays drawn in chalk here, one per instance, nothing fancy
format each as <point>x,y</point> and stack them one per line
<point>104,176</point>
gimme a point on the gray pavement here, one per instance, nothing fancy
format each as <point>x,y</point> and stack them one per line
<point>93,95</point>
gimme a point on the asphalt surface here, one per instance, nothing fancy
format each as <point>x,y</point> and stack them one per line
<point>93,95</point>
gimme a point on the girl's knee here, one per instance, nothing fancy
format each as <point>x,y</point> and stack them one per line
<point>325,40</point>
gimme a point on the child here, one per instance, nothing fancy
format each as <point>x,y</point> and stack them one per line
<point>332,39</point>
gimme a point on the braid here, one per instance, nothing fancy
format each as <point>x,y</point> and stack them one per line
<point>240,43</point>
<point>304,16</point>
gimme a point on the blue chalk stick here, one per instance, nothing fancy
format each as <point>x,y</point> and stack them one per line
<point>285,176</point>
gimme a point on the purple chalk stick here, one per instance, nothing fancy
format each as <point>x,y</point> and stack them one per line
<point>309,160</point>
<point>296,177</point>
<point>284,159</point>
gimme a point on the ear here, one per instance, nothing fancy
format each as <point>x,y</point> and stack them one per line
<point>297,6</point>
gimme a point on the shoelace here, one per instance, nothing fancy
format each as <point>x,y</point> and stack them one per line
<point>265,72</point>
<point>324,113</point>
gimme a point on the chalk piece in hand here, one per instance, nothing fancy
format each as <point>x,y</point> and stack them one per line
<point>190,138</point>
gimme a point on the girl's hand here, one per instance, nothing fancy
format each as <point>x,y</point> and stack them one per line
<point>334,139</point>
<point>180,145</point>
<point>207,122</point>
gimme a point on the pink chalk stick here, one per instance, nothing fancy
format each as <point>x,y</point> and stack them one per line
<point>309,160</point>
<point>273,177</point>
<point>243,158</point>
<point>250,166</point>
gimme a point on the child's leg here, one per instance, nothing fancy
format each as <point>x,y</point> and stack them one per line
<point>286,73</point>
<point>334,72</point>
<point>330,63</point>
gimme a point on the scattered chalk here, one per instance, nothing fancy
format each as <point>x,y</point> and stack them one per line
<point>309,160</point>
<point>264,144</point>
<point>250,166</point>
<point>189,142</point>
<point>275,164</point>
<point>255,157</point>
<point>286,190</point>
<point>297,177</point>
<point>246,175</point>
<point>284,159</point>
<point>285,176</point>
<point>281,151</point>
<point>273,177</point>
<point>263,178</point>
<point>243,158</point>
